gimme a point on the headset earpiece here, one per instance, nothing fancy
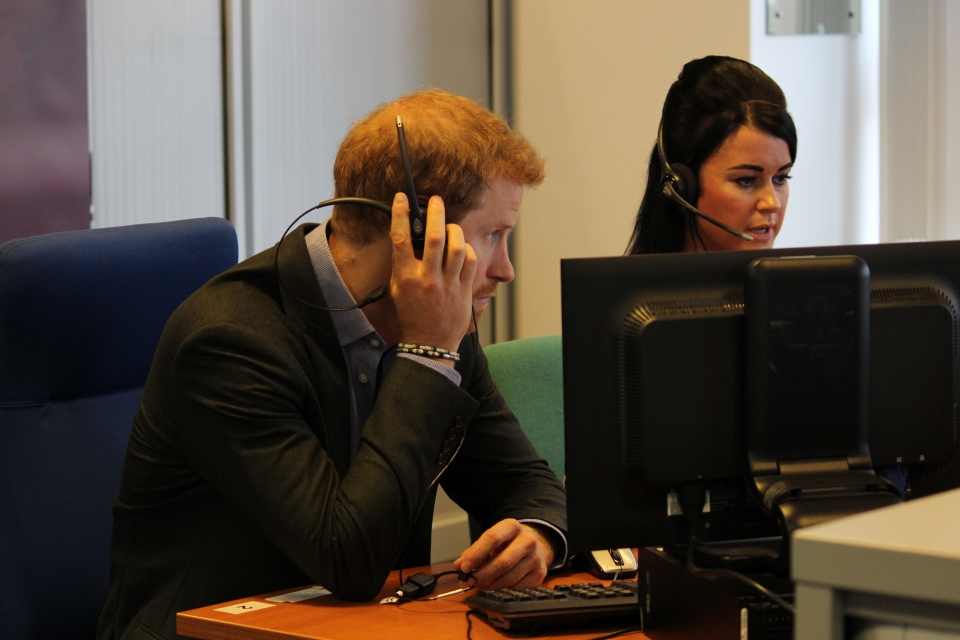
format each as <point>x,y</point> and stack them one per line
<point>678,176</point>
<point>684,182</point>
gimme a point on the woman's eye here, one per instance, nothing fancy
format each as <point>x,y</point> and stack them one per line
<point>745,181</point>
<point>781,179</point>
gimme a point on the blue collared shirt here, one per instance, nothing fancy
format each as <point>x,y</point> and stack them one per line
<point>362,347</point>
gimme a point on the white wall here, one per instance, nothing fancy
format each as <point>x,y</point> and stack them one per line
<point>299,73</point>
<point>951,227</point>
<point>920,137</point>
<point>156,107</point>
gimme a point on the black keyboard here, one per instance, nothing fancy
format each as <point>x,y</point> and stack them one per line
<point>566,604</point>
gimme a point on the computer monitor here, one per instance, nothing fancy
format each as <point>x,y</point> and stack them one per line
<point>688,370</point>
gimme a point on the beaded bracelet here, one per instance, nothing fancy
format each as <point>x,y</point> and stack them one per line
<point>428,351</point>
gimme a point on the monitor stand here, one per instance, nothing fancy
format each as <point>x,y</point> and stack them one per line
<point>807,337</point>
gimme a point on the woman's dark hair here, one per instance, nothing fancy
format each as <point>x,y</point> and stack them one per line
<point>711,98</point>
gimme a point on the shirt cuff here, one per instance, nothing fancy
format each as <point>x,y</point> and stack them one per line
<point>452,374</point>
<point>560,536</point>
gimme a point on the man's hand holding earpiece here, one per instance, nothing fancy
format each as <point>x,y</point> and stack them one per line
<point>433,297</point>
<point>508,554</point>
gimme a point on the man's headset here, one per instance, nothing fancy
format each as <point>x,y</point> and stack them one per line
<point>679,185</point>
<point>418,224</point>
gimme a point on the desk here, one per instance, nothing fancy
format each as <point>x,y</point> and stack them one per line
<point>326,618</point>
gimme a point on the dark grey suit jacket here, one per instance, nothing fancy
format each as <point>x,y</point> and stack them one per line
<point>238,480</point>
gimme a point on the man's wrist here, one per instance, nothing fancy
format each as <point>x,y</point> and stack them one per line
<point>427,351</point>
<point>552,539</point>
<point>542,540</point>
<point>443,367</point>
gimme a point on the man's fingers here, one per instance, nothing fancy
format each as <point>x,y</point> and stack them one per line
<point>514,566</point>
<point>489,542</point>
<point>435,239</point>
<point>469,269</point>
<point>400,227</point>
<point>456,255</point>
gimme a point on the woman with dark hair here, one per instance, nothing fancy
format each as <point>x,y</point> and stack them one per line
<point>718,174</point>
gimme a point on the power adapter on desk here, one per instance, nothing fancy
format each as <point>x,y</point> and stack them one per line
<point>417,586</point>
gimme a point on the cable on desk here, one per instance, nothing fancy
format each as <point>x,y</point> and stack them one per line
<point>463,577</point>
<point>621,632</point>
<point>470,612</point>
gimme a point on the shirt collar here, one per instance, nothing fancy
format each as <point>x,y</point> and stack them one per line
<point>350,325</point>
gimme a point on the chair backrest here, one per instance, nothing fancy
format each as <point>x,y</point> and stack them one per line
<point>529,372</point>
<point>81,313</point>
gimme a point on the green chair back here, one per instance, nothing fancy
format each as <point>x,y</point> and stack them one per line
<point>529,372</point>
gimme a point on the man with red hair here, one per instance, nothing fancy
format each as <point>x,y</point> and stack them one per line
<point>288,435</point>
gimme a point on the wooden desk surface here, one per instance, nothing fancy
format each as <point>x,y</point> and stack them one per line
<point>326,618</point>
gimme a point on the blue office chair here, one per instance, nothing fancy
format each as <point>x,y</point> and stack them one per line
<point>529,372</point>
<point>80,316</point>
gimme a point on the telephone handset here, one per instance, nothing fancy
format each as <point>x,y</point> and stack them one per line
<point>418,216</point>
